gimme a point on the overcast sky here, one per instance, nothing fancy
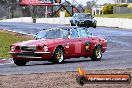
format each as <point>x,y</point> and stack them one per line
<point>98,1</point>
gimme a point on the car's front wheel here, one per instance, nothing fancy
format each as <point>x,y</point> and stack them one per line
<point>58,56</point>
<point>97,53</point>
<point>20,62</point>
<point>94,25</point>
<point>72,24</point>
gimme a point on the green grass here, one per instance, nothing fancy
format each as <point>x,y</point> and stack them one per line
<point>8,38</point>
<point>115,16</point>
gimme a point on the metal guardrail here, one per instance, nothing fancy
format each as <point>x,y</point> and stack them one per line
<point>106,22</point>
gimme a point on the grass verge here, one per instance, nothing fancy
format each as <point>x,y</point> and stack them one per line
<point>8,38</point>
<point>115,16</point>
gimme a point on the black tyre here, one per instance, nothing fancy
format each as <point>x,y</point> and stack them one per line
<point>72,24</point>
<point>97,53</point>
<point>87,26</point>
<point>58,56</point>
<point>94,26</point>
<point>20,62</point>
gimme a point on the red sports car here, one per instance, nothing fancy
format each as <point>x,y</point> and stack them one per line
<point>58,44</point>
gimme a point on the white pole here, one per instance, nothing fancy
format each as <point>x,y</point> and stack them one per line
<point>96,11</point>
<point>46,12</point>
<point>62,17</point>
<point>99,11</point>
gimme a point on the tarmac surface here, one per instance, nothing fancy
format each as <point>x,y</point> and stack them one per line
<point>117,56</point>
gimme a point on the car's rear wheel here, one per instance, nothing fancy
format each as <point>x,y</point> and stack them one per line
<point>58,56</point>
<point>20,62</point>
<point>97,53</point>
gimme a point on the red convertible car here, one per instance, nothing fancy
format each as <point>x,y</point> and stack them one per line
<point>58,44</point>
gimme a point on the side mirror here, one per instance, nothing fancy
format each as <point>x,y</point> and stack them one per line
<point>69,36</point>
<point>35,36</point>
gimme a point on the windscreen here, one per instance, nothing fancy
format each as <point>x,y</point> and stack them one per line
<point>50,34</point>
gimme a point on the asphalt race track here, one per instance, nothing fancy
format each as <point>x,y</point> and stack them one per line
<point>117,56</point>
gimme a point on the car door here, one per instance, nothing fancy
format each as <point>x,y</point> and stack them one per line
<point>67,44</point>
<point>85,41</point>
<point>75,43</point>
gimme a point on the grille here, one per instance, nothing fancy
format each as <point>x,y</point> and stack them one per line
<point>28,48</point>
<point>81,22</point>
<point>88,22</point>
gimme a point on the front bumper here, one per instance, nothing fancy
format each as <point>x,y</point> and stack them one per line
<point>29,52</point>
<point>31,55</point>
<point>83,23</point>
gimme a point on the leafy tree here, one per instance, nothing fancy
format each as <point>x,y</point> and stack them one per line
<point>9,5</point>
<point>87,11</point>
<point>9,2</point>
<point>90,4</point>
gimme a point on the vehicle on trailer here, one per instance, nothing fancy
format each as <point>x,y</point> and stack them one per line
<point>57,44</point>
<point>83,20</point>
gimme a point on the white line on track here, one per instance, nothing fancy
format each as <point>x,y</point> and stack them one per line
<point>17,32</point>
<point>6,61</point>
<point>118,51</point>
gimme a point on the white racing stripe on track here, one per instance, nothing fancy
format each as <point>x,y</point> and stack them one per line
<point>18,32</point>
<point>6,61</point>
<point>118,51</point>
<point>118,55</point>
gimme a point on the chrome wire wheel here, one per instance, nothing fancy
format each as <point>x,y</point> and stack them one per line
<point>58,56</point>
<point>20,62</point>
<point>97,53</point>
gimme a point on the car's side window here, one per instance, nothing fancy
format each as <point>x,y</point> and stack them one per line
<point>40,34</point>
<point>66,33</point>
<point>74,33</point>
<point>89,34</point>
<point>90,16</point>
<point>82,33</point>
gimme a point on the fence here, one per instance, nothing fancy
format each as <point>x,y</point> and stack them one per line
<point>21,11</point>
<point>27,11</point>
<point>9,12</point>
<point>4,11</point>
<point>122,10</point>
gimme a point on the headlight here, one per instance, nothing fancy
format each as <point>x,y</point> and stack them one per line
<point>12,48</point>
<point>81,21</point>
<point>45,48</point>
